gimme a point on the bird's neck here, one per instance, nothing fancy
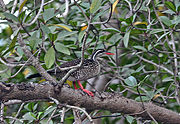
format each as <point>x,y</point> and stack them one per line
<point>94,55</point>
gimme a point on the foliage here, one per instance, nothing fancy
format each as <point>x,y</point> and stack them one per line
<point>144,35</point>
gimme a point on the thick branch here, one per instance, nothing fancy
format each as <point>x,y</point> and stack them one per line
<point>111,101</point>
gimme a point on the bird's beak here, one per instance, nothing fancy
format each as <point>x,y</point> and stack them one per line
<point>108,53</point>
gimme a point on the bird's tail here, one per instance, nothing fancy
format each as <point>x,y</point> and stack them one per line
<point>51,72</point>
<point>34,76</point>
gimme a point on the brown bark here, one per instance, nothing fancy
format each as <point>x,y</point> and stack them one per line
<point>113,102</point>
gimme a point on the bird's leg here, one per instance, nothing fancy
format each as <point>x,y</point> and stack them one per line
<point>85,90</point>
<point>74,84</point>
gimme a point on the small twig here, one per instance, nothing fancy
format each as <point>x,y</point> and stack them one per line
<point>66,10</point>
<point>130,6</point>
<point>159,66</point>
<point>106,116</point>
<point>38,14</point>
<point>106,21</point>
<point>138,7</point>
<point>14,6</point>
<point>2,112</point>
<point>140,97</point>
<point>12,102</point>
<point>60,114</point>
<point>2,4</point>
<point>23,65</point>
<point>10,64</point>
<point>175,68</point>
<point>4,71</point>
<point>16,119</point>
<point>51,116</point>
<point>67,75</point>
<point>77,116</point>
<point>19,110</point>
<point>75,107</point>
<point>24,29</point>
<point>152,117</point>
<point>63,115</point>
<point>87,19</point>
<point>137,2</point>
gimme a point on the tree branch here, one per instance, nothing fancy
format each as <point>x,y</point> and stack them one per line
<point>112,102</point>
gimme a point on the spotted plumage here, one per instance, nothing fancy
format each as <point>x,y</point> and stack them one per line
<point>90,68</point>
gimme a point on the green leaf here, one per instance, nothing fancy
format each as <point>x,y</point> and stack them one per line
<point>126,38</point>
<point>95,5</point>
<point>45,29</point>
<point>6,73</point>
<point>169,12</point>
<point>115,38</point>
<point>61,48</point>
<point>48,111</point>
<point>170,5</point>
<point>48,14</point>
<point>35,107</point>
<point>140,68</point>
<point>49,57</point>
<point>150,94</point>
<point>46,121</point>
<point>52,37</point>
<point>154,31</point>
<point>22,5</point>
<point>159,90</point>
<point>65,34</point>
<point>12,45</point>
<point>29,116</point>
<point>111,30</point>
<point>140,48</point>
<point>166,20</point>
<point>10,16</point>
<point>131,81</point>
<point>176,20</point>
<point>40,114</point>
<point>130,119</point>
<point>34,41</point>
<point>162,36</point>
<point>81,35</point>
<point>144,98</point>
<point>142,81</point>
<point>168,79</point>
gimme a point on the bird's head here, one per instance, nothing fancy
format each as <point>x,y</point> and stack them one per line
<point>100,52</point>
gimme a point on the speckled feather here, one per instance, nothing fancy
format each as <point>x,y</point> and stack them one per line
<point>88,70</point>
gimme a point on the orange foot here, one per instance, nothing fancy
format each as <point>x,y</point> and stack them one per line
<point>88,92</point>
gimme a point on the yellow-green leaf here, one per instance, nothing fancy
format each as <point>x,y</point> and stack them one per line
<point>140,23</point>
<point>12,45</point>
<point>63,26</point>
<point>22,5</point>
<point>114,5</point>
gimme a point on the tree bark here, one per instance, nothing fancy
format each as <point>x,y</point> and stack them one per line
<point>112,102</point>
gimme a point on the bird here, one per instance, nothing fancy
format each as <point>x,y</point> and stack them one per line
<point>90,68</point>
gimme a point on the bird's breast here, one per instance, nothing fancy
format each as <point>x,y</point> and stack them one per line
<point>87,71</point>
